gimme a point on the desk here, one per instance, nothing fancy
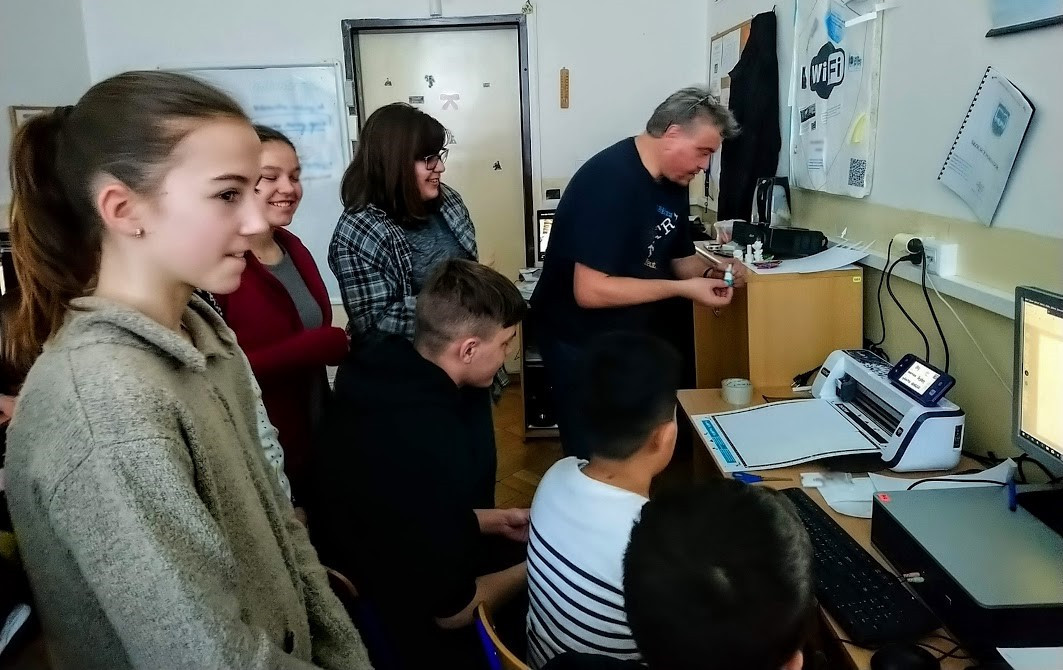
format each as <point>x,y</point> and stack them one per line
<point>702,401</point>
<point>779,326</point>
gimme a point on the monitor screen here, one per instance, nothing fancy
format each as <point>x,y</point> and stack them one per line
<point>544,221</point>
<point>1038,384</point>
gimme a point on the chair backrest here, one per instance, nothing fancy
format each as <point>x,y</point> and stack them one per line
<point>498,656</point>
<point>344,590</point>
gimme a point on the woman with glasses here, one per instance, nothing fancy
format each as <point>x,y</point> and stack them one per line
<point>399,221</point>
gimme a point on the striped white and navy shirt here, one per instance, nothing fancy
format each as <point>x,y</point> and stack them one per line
<point>579,531</point>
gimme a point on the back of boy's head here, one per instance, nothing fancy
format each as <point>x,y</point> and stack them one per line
<point>718,576</point>
<point>626,390</point>
<point>463,298</point>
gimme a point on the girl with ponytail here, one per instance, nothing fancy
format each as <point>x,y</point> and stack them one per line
<point>152,530</point>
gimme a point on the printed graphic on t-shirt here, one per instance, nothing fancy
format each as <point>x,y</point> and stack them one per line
<point>666,227</point>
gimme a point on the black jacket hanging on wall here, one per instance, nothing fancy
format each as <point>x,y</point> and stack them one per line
<point>754,154</point>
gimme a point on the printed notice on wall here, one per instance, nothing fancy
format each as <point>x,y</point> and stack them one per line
<point>980,161</point>
<point>835,91</point>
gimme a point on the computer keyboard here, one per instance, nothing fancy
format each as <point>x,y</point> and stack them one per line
<point>871,604</point>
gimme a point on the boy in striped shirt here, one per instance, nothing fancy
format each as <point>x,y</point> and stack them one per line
<point>583,512</point>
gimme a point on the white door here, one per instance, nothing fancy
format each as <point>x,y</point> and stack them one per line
<point>470,81</point>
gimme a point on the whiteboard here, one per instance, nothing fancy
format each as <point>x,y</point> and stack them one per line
<point>305,102</point>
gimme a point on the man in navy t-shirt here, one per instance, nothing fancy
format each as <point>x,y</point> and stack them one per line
<point>620,242</point>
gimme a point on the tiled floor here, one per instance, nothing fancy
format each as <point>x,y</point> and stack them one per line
<point>520,464</point>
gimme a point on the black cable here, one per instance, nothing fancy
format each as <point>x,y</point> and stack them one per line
<point>889,288</point>
<point>952,479</point>
<point>942,654</point>
<point>988,461</point>
<point>1020,461</point>
<point>933,314</point>
<point>882,278</point>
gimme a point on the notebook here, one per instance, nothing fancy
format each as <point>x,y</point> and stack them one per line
<point>980,161</point>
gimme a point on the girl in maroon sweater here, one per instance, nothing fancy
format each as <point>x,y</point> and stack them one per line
<point>282,316</point>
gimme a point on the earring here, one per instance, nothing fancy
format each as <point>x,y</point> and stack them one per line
<point>138,233</point>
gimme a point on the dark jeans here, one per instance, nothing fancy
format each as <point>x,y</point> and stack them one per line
<point>563,362</point>
<point>401,638</point>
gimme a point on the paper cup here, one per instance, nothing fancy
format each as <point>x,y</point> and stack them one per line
<point>737,391</point>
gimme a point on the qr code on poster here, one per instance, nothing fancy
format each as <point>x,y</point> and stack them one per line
<point>857,170</point>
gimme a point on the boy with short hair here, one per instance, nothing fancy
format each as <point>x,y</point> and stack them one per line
<point>583,511</point>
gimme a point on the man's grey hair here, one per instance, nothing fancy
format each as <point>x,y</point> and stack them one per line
<point>687,104</point>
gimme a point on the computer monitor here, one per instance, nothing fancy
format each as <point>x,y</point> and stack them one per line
<point>544,220</point>
<point>1037,410</point>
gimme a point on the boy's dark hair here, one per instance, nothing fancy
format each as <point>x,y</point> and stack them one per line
<point>626,389</point>
<point>462,298</point>
<point>267,134</point>
<point>383,172</point>
<point>718,576</point>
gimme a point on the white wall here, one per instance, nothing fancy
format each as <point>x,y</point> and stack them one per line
<point>622,63</point>
<point>42,62</point>
<point>934,54</point>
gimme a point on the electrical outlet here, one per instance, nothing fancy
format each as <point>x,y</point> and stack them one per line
<point>940,257</point>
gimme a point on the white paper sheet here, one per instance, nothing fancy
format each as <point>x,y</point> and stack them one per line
<point>851,498</point>
<point>834,258</point>
<point>998,473</point>
<point>1034,658</point>
<point>778,435</point>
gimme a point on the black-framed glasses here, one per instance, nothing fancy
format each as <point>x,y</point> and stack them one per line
<point>432,161</point>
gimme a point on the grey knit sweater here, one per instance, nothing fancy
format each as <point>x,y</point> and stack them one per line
<point>152,530</point>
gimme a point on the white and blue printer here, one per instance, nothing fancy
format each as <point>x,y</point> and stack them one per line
<point>901,410</point>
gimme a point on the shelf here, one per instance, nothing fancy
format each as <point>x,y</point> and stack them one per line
<point>979,295</point>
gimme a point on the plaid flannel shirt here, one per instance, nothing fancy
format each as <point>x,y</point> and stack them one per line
<point>371,259</point>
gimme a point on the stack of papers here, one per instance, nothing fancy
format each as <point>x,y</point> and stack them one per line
<point>834,258</point>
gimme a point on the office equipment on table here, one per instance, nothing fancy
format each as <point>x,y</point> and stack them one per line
<point>544,220</point>
<point>993,576</point>
<point>306,103</point>
<point>778,326</point>
<point>833,638</point>
<point>1037,427</point>
<point>911,436</point>
<point>779,241</point>
<point>869,603</point>
<point>920,380</point>
<point>992,567</point>
<point>779,435</point>
<point>979,164</point>
<point>855,409</point>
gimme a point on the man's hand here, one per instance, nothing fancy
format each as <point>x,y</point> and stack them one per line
<point>708,292</point>
<point>739,272</point>
<point>511,523</point>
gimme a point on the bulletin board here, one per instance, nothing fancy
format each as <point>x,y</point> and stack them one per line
<point>725,49</point>
<point>305,102</point>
